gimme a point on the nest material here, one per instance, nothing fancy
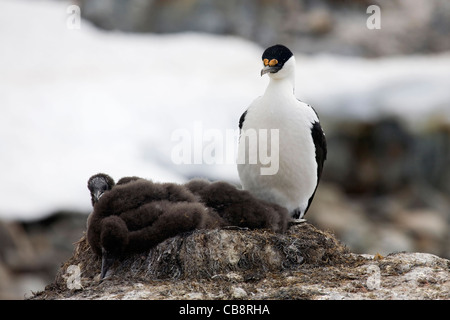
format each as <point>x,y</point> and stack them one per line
<point>210,254</point>
<point>303,263</point>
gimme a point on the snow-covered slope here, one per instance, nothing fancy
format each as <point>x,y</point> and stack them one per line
<point>77,102</point>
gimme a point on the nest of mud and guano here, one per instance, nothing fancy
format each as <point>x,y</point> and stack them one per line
<point>210,255</point>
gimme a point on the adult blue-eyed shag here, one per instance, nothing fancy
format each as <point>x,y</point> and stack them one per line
<point>301,144</point>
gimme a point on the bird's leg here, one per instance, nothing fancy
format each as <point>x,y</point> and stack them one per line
<point>295,222</point>
<point>296,214</point>
<point>107,261</point>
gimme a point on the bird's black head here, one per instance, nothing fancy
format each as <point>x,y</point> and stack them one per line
<point>274,58</point>
<point>98,184</point>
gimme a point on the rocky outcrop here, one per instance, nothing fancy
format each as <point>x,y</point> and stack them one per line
<point>305,26</point>
<point>304,263</point>
<point>31,252</point>
<point>386,187</point>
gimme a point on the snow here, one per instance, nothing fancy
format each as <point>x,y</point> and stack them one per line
<point>412,88</point>
<point>74,102</point>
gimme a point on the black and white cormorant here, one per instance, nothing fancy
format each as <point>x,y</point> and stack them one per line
<point>301,142</point>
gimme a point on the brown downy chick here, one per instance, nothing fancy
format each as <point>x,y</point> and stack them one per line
<point>239,207</point>
<point>137,214</point>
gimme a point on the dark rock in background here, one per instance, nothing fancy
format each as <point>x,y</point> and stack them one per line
<point>32,252</point>
<point>385,188</point>
<point>383,156</point>
<point>324,26</point>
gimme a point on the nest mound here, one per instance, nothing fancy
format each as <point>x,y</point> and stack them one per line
<point>204,254</point>
<point>207,254</point>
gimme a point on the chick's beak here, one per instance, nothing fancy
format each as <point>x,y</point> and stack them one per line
<point>97,195</point>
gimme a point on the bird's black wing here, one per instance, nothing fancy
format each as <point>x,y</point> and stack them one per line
<point>241,119</point>
<point>320,143</point>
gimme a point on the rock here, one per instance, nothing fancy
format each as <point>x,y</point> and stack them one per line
<point>320,21</point>
<point>306,26</point>
<point>304,263</point>
<point>382,224</point>
<point>238,293</point>
<point>19,263</point>
<point>31,252</point>
<point>386,187</point>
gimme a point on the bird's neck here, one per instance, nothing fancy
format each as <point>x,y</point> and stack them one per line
<point>284,86</point>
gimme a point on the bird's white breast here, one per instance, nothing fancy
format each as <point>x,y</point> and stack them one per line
<point>296,179</point>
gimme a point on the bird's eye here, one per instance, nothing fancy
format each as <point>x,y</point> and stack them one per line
<point>266,62</point>
<point>273,62</point>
